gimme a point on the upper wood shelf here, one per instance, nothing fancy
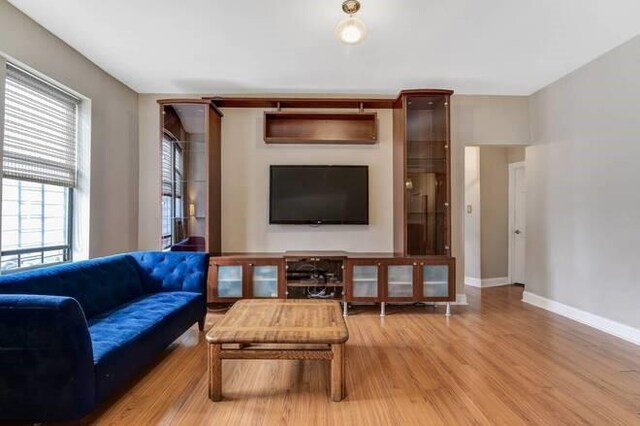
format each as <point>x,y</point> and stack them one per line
<point>293,102</point>
<point>320,127</point>
<point>320,102</point>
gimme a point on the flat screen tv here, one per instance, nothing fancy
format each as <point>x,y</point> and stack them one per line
<point>319,195</point>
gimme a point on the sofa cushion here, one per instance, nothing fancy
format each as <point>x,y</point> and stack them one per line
<point>132,335</point>
<point>98,284</point>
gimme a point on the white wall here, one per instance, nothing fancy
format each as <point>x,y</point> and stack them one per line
<point>113,220</point>
<point>583,232</point>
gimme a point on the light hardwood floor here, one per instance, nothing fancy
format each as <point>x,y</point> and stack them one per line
<point>497,361</point>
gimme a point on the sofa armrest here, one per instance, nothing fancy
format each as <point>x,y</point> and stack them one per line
<point>46,359</point>
<point>173,271</point>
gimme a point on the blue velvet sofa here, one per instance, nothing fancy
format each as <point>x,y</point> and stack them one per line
<point>71,335</point>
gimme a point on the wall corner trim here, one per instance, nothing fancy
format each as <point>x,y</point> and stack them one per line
<point>486,282</point>
<point>461,299</point>
<point>472,281</point>
<point>622,331</point>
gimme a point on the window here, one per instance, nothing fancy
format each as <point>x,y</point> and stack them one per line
<point>38,171</point>
<point>172,175</point>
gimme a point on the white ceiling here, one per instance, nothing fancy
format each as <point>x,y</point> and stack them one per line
<point>277,46</point>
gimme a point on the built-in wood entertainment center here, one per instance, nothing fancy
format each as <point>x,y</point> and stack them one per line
<point>420,269</point>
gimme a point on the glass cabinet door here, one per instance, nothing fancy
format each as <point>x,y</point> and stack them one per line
<point>427,175</point>
<point>435,280</point>
<point>265,280</point>
<point>365,281</point>
<point>229,281</point>
<point>400,281</point>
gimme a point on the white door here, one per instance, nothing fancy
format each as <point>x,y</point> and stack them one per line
<point>517,228</point>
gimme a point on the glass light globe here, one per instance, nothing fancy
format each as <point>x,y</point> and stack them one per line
<point>351,30</point>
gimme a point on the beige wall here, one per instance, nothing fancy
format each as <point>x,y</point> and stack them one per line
<point>583,233</point>
<point>113,219</point>
<point>494,207</point>
<point>486,227</point>
<point>480,120</point>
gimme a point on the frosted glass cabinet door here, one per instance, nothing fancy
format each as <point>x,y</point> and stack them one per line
<point>265,281</point>
<point>435,280</point>
<point>365,281</point>
<point>400,281</point>
<point>229,281</point>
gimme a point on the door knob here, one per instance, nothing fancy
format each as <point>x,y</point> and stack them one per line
<point>517,232</point>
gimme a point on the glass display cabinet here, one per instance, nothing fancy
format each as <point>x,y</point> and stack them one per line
<point>427,176</point>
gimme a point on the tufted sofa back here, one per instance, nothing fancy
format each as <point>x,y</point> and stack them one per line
<point>97,284</point>
<point>104,283</point>
<point>172,271</point>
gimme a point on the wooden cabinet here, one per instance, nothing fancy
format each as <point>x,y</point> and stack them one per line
<point>230,280</point>
<point>190,144</point>
<point>422,192</point>
<point>400,279</point>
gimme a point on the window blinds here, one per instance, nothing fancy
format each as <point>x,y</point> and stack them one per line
<point>178,166</point>
<point>40,131</point>
<point>167,167</point>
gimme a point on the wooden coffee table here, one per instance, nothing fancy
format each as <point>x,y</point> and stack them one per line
<point>287,326</point>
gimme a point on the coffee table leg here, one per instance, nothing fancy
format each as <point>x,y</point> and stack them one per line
<point>215,372</point>
<point>337,372</point>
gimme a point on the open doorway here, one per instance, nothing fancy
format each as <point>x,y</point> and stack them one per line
<point>495,194</point>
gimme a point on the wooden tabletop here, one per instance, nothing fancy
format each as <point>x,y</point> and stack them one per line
<point>281,321</point>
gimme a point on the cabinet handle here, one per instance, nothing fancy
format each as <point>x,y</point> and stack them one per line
<point>415,263</point>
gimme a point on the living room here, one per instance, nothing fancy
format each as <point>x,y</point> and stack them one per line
<point>253,105</point>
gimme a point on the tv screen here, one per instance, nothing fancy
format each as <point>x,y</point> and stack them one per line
<point>319,195</point>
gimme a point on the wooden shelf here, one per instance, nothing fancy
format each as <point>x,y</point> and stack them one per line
<point>320,127</point>
<point>310,284</point>
<point>301,102</point>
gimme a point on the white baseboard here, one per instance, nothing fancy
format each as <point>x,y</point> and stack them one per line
<point>486,282</point>
<point>614,328</point>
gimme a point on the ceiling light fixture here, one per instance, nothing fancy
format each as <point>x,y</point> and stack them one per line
<point>351,30</point>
